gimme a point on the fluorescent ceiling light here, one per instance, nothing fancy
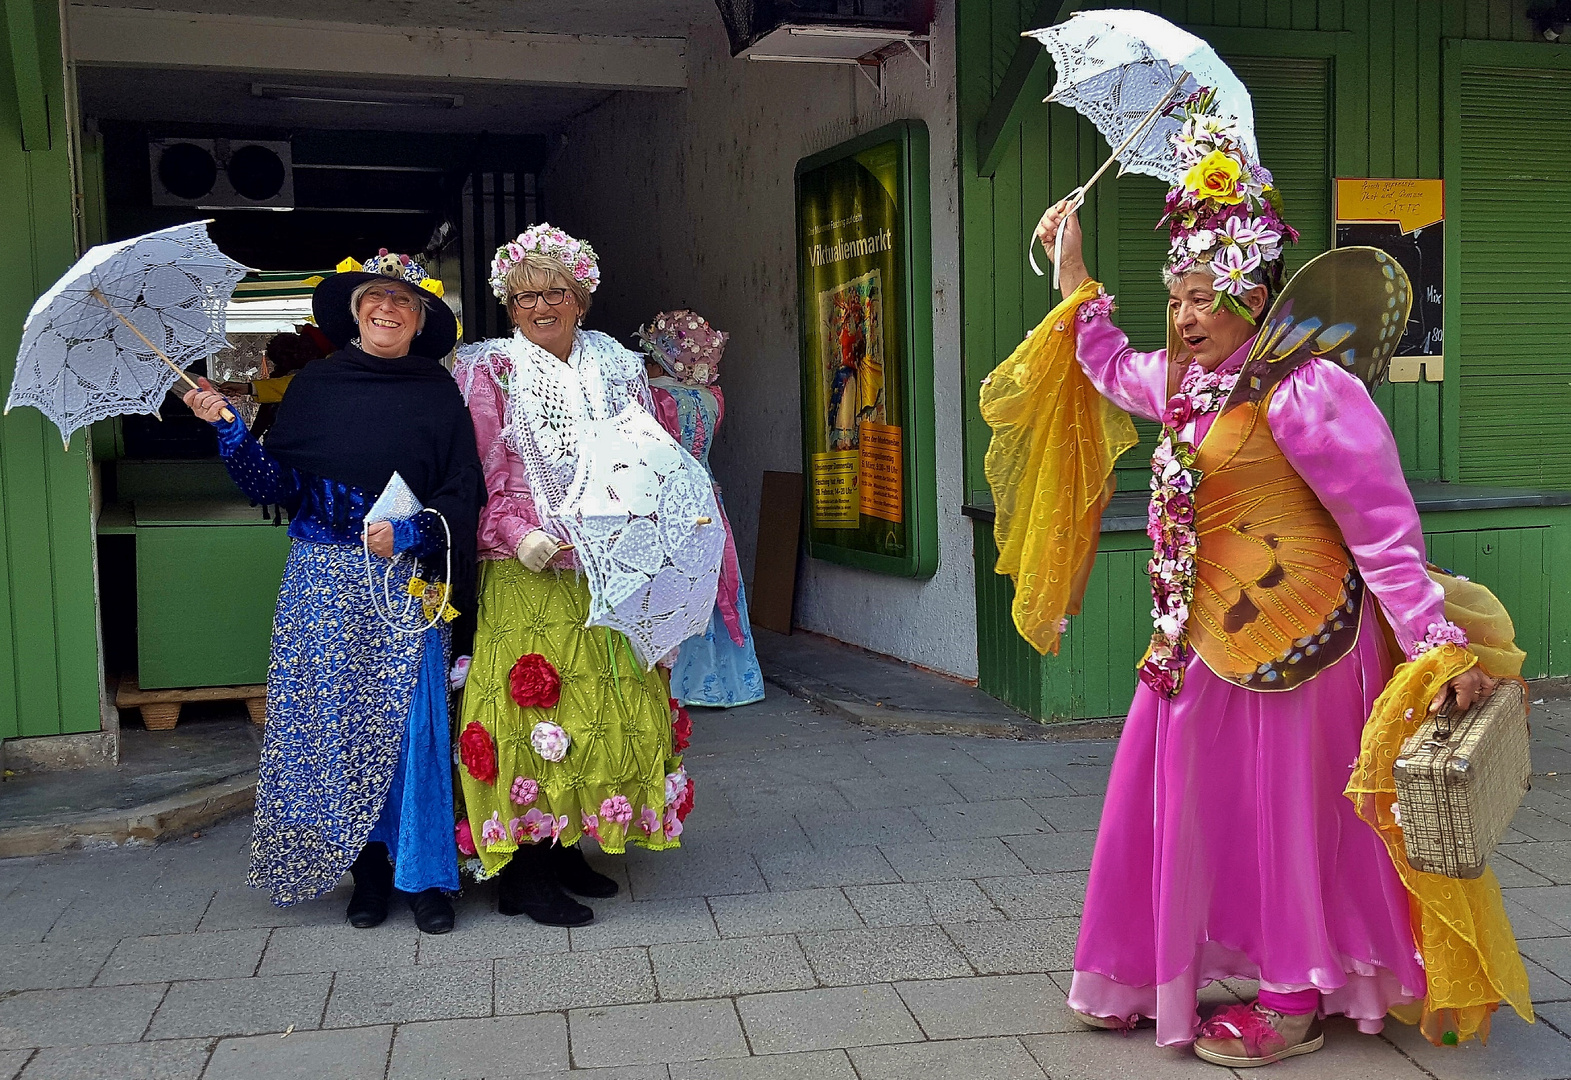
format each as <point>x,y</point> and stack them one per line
<point>349,95</point>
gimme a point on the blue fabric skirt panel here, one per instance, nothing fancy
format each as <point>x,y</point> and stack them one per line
<point>714,671</point>
<point>341,687</point>
<point>417,819</point>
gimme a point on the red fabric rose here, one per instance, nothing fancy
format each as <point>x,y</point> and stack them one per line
<point>535,682</point>
<point>478,752</point>
<point>466,838</point>
<point>681,727</point>
<point>684,804</point>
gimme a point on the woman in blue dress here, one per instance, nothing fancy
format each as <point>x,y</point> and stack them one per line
<point>356,769</point>
<point>718,669</point>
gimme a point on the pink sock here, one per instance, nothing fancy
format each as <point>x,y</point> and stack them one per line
<point>1295,1004</point>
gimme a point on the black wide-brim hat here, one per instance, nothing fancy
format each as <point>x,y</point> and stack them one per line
<point>330,308</point>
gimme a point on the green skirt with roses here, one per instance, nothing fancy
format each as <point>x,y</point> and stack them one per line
<point>591,752</point>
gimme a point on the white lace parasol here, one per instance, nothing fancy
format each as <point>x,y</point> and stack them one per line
<point>112,335</point>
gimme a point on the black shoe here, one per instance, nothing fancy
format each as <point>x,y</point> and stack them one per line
<point>433,911</point>
<point>526,886</point>
<point>574,874</point>
<point>373,876</point>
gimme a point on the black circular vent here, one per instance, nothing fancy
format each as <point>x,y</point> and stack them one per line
<point>256,173</point>
<point>187,171</point>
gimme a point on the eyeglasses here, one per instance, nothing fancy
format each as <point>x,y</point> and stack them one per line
<point>527,300</point>
<point>397,297</point>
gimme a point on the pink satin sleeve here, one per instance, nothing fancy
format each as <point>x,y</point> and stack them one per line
<point>1338,441</point>
<point>1134,381</point>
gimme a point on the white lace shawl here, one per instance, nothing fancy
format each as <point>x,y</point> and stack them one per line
<point>550,400</point>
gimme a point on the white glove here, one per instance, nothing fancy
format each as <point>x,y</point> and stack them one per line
<point>537,549</point>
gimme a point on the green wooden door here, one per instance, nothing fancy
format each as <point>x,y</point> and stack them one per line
<point>1515,234</point>
<point>1292,99</point>
<point>49,679</point>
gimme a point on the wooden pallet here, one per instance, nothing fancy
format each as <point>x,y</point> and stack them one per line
<point>161,708</point>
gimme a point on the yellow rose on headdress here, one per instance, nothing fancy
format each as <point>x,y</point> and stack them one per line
<point>1215,176</point>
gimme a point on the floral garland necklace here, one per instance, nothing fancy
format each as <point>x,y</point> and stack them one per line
<point>1170,523</point>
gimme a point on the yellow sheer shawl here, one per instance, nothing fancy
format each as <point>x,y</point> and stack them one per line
<point>1463,933</point>
<point>1050,465</point>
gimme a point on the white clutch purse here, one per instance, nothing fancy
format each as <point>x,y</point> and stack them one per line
<point>396,503</point>
<point>397,606</point>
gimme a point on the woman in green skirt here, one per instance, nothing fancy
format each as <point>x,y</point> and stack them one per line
<point>563,734</point>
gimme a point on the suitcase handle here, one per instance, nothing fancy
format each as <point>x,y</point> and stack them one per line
<point>1443,717</point>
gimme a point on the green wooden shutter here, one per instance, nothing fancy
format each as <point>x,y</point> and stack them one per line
<point>1292,100</point>
<point>1515,231</point>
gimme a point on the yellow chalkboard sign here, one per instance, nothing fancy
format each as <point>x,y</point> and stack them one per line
<point>1406,220</point>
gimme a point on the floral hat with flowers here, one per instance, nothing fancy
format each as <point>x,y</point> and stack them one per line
<point>1225,216</point>
<point>685,345</point>
<point>546,239</point>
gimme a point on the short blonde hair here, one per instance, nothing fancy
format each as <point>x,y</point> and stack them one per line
<point>360,291</point>
<point>539,272</point>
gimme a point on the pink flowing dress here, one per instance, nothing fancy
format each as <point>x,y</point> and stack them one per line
<point>1226,848</point>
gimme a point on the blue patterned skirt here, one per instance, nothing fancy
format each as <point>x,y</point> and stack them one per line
<point>715,671</point>
<point>357,745</point>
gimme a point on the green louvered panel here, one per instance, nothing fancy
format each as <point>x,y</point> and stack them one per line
<point>1515,361</point>
<point>1292,100</point>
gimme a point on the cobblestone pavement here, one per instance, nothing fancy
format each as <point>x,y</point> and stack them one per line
<point>845,905</point>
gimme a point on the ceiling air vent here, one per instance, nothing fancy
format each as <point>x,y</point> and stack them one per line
<point>221,173</point>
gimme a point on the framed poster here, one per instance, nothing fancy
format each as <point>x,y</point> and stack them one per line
<point>1406,220</point>
<point>864,305</point>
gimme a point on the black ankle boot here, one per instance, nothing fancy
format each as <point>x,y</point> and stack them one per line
<point>433,911</point>
<point>526,886</point>
<point>574,874</point>
<point>373,876</point>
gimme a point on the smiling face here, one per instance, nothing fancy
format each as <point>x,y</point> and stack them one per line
<point>529,304</point>
<point>389,314</point>
<point>1210,336</point>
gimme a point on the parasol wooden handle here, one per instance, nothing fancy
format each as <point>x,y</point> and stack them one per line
<point>98,295</point>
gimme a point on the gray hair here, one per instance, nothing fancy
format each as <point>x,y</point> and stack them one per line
<point>360,291</point>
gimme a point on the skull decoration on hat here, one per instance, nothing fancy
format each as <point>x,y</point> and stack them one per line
<point>1225,216</point>
<point>546,239</point>
<point>685,345</point>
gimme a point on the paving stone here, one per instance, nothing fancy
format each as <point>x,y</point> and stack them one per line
<point>668,1032</point>
<point>1037,896</point>
<point>51,965</point>
<point>813,1065</point>
<point>819,764</point>
<point>1536,825</point>
<point>132,914</point>
<point>1055,852</point>
<point>1018,946</point>
<point>1553,902</point>
<point>771,795</point>
<point>1004,755</point>
<point>963,821</point>
<point>860,828</point>
<point>898,791</point>
<point>1516,1051</point>
<point>1009,784</point>
<point>630,1072</point>
<point>1547,984</point>
<point>994,1005</point>
<point>648,922</point>
<point>573,980</point>
<point>826,1019</point>
<point>965,1059</point>
<point>396,995</point>
<point>783,912</point>
<point>1083,778</point>
<point>1529,924</point>
<point>666,875</point>
<point>948,859</point>
<point>793,870</point>
<point>241,1006</point>
<point>1549,860</point>
<point>25,919</point>
<point>294,950</point>
<point>921,902</point>
<point>701,969</point>
<point>494,1048</point>
<point>1106,1055</point>
<point>746,832</point>
<point>240,907</point>
<point>1070,813</point>
<point>353,1054</point>
<point>1513,874</point>
<point>885,954</point>
<point>85,1017</point>
<point>175,1060</point>
<point>225,954</point>
<point>482,934</point>
<point>11,1062</point>
<point>902,755</point>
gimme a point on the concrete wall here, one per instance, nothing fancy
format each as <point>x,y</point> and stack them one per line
<point>689,200</point>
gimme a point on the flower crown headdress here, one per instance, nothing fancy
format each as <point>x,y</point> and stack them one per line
<point>1225,215</point>
<point>685,345</point>
<point>402,267</point>
<point>546,239</point>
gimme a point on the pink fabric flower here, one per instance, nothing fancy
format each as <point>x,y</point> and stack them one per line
<point>525,791</point>
<point>617,809</point>
<point>591,825</point>
<point>672,823</point>
<point>549,741</point>
<point>534,826</point>
<point>1439,633</point>
<point>466,837</point>
<point>675,785</point>
<point>649,821</point>
<point>492,831</point>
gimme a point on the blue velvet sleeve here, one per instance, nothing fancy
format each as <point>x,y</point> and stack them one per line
<point>420,536</point>
<point>254,471</point>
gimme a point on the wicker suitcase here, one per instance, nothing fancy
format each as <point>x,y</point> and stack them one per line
<point>1459,781</point>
